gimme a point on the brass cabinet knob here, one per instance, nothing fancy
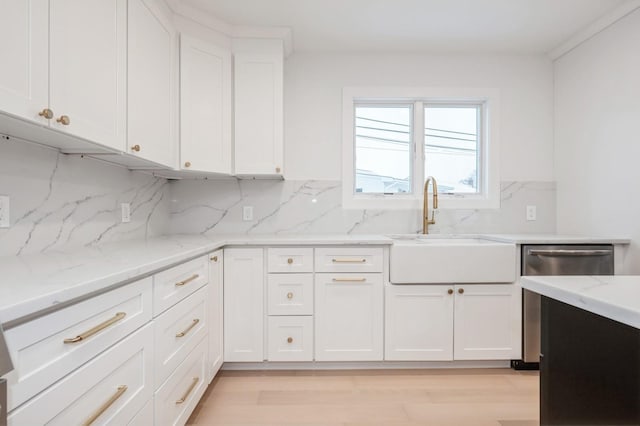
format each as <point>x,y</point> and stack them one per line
<point>135,148</point>
<point>214,258</point>
<point>450,291</point>
<point>277,169</point>
<point>46,113</point>
<point>289,295</point>
<point>289,261</point>
<point>187,164</point>
<point>64,120</point>
<point>289,339</point>
<point>461,290</point>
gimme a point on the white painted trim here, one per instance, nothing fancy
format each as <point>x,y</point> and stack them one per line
<point>490,154</point>
<point>594,28</point>
<point>362,365</point>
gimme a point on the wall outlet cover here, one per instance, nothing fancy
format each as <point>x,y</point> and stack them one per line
<point>531,213</point>
<point>247,213</point>
<point>126,212</point>
<point>5,211</point>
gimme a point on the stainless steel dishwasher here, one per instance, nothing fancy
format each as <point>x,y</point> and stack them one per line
<point>554,260</point>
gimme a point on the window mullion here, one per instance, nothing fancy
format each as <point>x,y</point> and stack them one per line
<point>418,147</point>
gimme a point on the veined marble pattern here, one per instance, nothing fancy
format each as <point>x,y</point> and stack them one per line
<point>315,207</point>
<point>59,200</point>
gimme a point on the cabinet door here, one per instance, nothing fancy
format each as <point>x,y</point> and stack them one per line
<point>151,84</point>
<point>258,72</point>
<point>243,305</point>
<point>205,106</point>
<point>348,317</point>
<point>216,320</point>
<point>24,37</point>
<point>419,323</point>
<point>487,322</point>
<point>87,74</point>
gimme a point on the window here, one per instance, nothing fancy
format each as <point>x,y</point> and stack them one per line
<point>393,142</point>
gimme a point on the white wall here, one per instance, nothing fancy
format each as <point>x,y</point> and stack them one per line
<point>597,120</point>
<point>313,105</point>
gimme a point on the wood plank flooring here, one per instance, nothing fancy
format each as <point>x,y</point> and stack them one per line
<point>461,397</point>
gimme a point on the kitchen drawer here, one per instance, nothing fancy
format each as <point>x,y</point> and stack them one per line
<point>173,285</point>
<point>144,416</point>
<point>290,338</point>
<point>115,386</point>
<point>290,294</point>
<point>50,347</point>
<point>348,259</point>
<point>290,260</point>
<point>180,394</point>
<point>178,331</point>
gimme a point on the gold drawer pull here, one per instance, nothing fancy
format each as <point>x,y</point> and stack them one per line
<point>186,394</point>
<point>188,329</point>
<point>289,339</point>
<point>289,295</point>
<point>64,120</point>
<point>121,390</point>
<point>289,261</point>
<point>96,329</point>
<point>349,260</point>
<point>187,281</point>
<point>349,280</point>
<point>135,148</point>
<point>214,258</point>
<point>46,113</point>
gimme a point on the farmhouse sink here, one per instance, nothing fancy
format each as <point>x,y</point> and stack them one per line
<point>432,259</point>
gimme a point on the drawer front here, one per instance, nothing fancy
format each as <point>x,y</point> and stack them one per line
<point>173,285</point>
<point>111,389</point>
<point>176,399</point>
<point>290,338</point>
<point>48,348</point>
<point>144,416</point>
<point>290,294</point>
<point>283,260</point>
<point>349,259</point>
<point>178,331</point>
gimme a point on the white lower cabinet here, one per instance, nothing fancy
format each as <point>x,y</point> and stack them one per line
<point>419,323</point>
<point>290,338</point>
<point>110,389</point>
<point>144,416</point>
<point>452,322</point>
<point>179,395</point>
<point>349,317</point>
<point>215,311</point>
<point>244,305</point>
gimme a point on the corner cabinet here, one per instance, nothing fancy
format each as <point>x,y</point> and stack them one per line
<point>258,87</point>
<point>244,305</point>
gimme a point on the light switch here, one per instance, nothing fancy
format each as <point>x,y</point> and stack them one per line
<point>531,213</point>
<point>247,213</point>
<point>4,211</point>
<point>126,212</point>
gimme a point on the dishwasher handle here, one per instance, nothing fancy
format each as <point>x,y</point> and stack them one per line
<point>566,252</point>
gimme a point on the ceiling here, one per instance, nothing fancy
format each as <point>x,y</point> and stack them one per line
<point>438,26</point>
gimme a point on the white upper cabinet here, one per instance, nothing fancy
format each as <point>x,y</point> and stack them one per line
<point>24,79</point>
<point>205,106</point>
<point>87,75</point>
<point>152,83</point>
<point>258,85</point>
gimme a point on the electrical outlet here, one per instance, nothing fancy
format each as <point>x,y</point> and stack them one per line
<point>126,212</point>
<point>531,213</point>
<point>247,213</point>
<point>5,211</point>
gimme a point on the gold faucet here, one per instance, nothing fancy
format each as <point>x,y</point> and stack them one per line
<point>425,212</point>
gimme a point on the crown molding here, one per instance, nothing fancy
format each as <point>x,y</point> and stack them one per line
<point>594,28</point>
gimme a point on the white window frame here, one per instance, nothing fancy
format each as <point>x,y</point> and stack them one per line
<point>488,196</point>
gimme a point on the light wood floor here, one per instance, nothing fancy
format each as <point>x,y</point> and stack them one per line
<point>491,397</point>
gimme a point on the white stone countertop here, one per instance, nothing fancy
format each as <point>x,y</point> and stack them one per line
<point>612,296</point>
<point>32,283</point>
<point>554,239</point>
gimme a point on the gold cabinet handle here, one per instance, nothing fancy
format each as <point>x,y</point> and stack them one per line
<point>64,120</point>
<point>135,148</point>
<point>289,295</point>
<point>186,394</point>
<point>214,258</point>
<point>96,329</point>
<point>187,164</point>
<point>289,261</point>
<point>450,291</point>
<point>188,329</point>
<point>277,169</point>
<point>348,260</point>
<point>121,390</point>
<point>349,280</point>
<point>460,290</point>
<point>289,339</point>
<point>46,113</point>
<point>187,281</point>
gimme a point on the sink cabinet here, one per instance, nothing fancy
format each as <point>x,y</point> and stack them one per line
<point>452,322</point>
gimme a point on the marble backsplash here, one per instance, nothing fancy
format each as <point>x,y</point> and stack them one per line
<point>315,207</point>
<point>60,200</point>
